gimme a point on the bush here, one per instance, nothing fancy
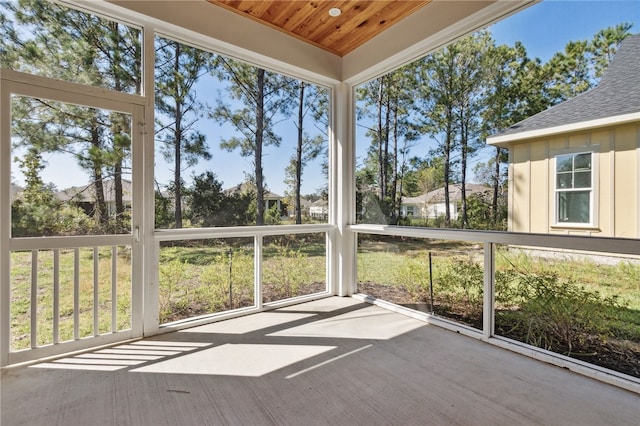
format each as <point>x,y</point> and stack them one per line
<point>285,273</point>
<point>549,312</point>
<point>462,281</point>
<point>413,275</point>
<point>172,276</point>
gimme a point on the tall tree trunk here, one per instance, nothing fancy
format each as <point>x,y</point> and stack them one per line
<point>464,136</point>
<point>395,200</point>
<point>298,182</point>
<point>385,154</point>
<point>258,154</point>
<point>117,125</point>
<point>381,159</point>
<point>177,173</point>
<point>100,210</point>
<point>447,165</point>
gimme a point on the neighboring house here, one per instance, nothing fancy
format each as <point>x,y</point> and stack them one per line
<point>304,205</point>
<point>575,168</point>
<point>85,196</point>
<point>432,205</point>
<point>319,209</point>
<point>270,198</point>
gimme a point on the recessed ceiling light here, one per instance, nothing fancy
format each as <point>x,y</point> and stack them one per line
<point>334,11</point>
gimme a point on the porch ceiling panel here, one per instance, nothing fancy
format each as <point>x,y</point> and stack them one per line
<point>358,22</point>
<point>297,37</point>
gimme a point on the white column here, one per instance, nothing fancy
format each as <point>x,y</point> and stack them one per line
<point>342,190</point>
<point>149,287</point>
<point>5,226</point>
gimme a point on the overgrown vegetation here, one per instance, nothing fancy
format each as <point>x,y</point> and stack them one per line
<point>212,277</point>
<point>197,281</point>
<point>553,312</point>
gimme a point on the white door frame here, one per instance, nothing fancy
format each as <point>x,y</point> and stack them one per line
<point>21,84</point>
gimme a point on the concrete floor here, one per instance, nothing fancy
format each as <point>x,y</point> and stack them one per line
<point>334,361</point>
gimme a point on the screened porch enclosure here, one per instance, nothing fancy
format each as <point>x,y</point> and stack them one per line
<point>285,309</point>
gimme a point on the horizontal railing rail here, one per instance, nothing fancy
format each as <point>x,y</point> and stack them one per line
<point>566,242</point>
<point>238,231</point>
<point>48,243</point>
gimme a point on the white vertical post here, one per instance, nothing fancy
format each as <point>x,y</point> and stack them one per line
<point>152,292</point>
<point>96,290</point>
<point>56,296</point>
<point>145,306</point>
<point>76,293</point>
<point>143,260</point>
<point>5,222</point>
<point>34,299</point>
<point>114,289</point>
<point>488,308</point>
<point>257,262</point>
<point>342,188</point>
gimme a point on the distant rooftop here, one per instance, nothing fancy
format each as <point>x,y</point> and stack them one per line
<point>437,195</point>
<point>87,193</point>
<point>241,188</point>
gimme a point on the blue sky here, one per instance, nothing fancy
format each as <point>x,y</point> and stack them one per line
<point>543,28</point>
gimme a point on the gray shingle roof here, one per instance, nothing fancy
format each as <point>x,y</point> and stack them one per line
<point>87,193</point>
<point>437,195</point>
<point>617,93</point>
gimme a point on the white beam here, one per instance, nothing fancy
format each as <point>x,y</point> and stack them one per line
<point>342,186</point>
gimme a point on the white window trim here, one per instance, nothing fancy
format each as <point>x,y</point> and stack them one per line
<point>594,201</point>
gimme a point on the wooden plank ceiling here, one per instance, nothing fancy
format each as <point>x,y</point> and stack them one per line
<point>310,21</point>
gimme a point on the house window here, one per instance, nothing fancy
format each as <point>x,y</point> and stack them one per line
<point>574,188</point>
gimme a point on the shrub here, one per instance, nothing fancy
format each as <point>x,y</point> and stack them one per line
<point>222,289</point>
<point>550,312</point>
<point>172,276</point>
<point>462,281</point>
<point>285,272</point>
<point>413,275</point>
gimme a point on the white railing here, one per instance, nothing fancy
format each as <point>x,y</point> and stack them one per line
<point>70,246</point>
<point>489,239</point>
<point>625,248</point>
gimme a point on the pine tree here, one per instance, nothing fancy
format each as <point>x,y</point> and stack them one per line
<point>263,96</point>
